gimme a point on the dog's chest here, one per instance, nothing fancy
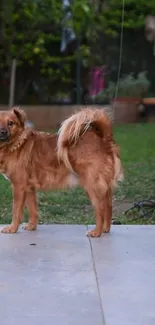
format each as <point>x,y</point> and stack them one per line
<point>2,167</point>
<point>3,170</point>
<point>5,176</point>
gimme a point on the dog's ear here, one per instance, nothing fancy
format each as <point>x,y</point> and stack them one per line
<point>20,114</point>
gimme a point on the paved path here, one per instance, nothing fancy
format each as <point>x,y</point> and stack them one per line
<point>57,276</point>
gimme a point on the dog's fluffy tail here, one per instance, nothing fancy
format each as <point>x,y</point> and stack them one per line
<point>77,125</point>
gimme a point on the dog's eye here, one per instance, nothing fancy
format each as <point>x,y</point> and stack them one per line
<point>10,123</point>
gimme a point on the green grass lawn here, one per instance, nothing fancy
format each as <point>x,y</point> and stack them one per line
<point>137,143</point>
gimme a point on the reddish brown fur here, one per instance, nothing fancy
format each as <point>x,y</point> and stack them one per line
<point>83,153</point>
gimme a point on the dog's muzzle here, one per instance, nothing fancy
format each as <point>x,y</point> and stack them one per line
<point>4,134</point>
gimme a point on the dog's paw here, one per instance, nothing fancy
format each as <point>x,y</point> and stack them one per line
<point>94,233</point>
<point>9,230</point>
<point>106,230</point>
<point>30,226</point>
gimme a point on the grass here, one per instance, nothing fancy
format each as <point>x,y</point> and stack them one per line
<point>137,143</point>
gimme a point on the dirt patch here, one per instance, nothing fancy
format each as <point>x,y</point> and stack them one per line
<point>120,207</point>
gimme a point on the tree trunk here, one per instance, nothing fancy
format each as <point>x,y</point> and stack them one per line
<point>12,83</point>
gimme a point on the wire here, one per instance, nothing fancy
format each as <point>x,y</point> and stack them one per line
<point>141,205</point>
<point>121,51</point>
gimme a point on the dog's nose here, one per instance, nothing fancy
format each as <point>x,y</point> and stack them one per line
<point>3,131</point>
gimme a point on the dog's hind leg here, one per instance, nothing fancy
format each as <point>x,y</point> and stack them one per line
<point>101,199</point>
<point>19,195</point>
<point>107,211</point>
<point>31,205</point>
<point>98,207</point>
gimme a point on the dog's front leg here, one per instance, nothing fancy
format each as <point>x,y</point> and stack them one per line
<point>31,204</point>
<point>19,195</point>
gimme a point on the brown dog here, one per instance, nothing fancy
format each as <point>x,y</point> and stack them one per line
<point>82,153</point>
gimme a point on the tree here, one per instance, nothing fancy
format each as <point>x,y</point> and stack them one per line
<point>137,53</point>
<point>28,27</point>
<point>31,33</point>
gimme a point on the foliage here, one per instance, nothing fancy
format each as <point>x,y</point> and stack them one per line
<point>106,43</point>
<point>28,27</point>
<point>102,98</point>
<point>129,86</point>
<point>135,13</point>
<point>31,32</point>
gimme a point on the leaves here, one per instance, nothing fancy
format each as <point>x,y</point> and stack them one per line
<point>32,30</point>
<point>25,28</point>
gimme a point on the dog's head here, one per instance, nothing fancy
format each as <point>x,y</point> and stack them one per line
<point>12,122</point>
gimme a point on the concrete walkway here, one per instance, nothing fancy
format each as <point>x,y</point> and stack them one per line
<point>57,276</point>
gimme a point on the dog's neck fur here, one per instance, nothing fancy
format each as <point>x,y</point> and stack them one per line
<point>16,143</point>
<point>20,141</point>
<point>12,147</point>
